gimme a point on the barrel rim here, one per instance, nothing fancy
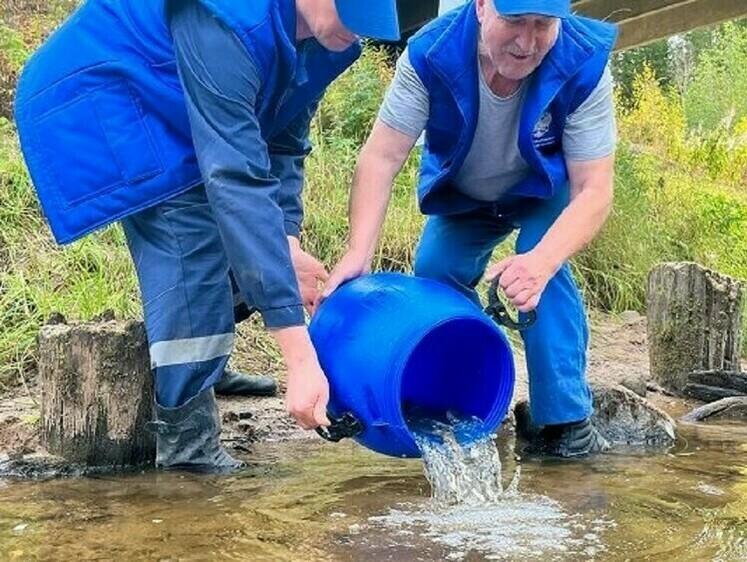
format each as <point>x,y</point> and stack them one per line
<point>421,333</point>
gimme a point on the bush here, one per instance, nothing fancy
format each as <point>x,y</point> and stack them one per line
<point>678,196</point>
<point>716,97</point>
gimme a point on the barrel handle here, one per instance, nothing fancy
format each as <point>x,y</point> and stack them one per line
<point>497,311</point>
<point>346,425</point>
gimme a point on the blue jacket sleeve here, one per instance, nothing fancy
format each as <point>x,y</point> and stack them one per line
<point>288,151</point>
<point>222,84</point>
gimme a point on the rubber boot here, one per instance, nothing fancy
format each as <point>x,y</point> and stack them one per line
<point>188,437</point>
<point>239,384</point>
<point>570,440</point>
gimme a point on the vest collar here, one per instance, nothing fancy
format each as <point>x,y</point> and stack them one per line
<point>456,48</point>
<point>453,57</point>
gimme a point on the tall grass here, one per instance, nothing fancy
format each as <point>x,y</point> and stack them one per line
<point>342,124</point>
<point>38,278</point>
<point>23,25</point>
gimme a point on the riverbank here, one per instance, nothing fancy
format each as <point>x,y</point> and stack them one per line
<point>618,355</point>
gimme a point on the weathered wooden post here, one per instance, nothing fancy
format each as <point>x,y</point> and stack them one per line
<point>694,322</point>
<point>96,393</point>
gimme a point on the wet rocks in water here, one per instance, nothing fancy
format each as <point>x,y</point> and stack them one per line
<point>726,408</point>
<point>707,393</point>
<point>40,466</point>
<point>625,418</point>
<point>734,380</point>
<point>620,415</point>
<point>726,392</point>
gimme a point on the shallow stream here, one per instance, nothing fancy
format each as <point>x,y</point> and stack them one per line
<point>318,501</point>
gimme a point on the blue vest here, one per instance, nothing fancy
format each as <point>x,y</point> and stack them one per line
<point>101,113</point>
<point>444,55</point>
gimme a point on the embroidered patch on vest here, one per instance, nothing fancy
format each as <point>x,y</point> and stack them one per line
<point>541,133</point>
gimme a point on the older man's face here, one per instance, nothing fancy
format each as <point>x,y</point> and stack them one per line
<point>515,45</point>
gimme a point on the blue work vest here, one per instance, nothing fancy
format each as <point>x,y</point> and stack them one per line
<point>101,113</point>
<point>444,55</point>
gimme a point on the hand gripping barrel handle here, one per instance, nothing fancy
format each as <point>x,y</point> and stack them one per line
<point>346,425</point>
<point>497,311</point>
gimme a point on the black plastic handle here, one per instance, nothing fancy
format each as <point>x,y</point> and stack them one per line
<point>346,425</point>
<point>497,310</point>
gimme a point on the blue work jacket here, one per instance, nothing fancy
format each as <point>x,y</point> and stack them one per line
<point>101,113</point>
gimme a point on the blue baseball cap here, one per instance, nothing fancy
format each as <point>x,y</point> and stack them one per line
<point>370,18</point>
<point>550,8</point>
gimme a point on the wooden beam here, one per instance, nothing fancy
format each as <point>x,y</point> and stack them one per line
<point>678,18</point>
<point>616,11</point>
<point>644,21</point>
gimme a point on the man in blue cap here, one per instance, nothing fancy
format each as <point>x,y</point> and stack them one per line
<point>188,121</point>
<point>515,98</point>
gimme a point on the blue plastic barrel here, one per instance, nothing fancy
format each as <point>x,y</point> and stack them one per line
<point>392,345</point>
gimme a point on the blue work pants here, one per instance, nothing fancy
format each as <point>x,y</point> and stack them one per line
<point>456,250</point>
<point>187,293</point>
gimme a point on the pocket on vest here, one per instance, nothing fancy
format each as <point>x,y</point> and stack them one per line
<point>96,143</point>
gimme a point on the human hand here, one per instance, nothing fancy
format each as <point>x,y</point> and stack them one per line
<point>310,273</point>
<point>352,265</point>
<point>523,277</point>
<point>307,394</point>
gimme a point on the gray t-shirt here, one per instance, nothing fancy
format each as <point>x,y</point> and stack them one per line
<point>494,164</point>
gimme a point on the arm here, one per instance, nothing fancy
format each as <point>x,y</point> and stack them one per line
<point>288,150</point>
<point>379,163</point>
<point>523,277</point>
<point>402,118</point>
<point>590,203</point>
<point>588,146</point>
<point>243,192</point>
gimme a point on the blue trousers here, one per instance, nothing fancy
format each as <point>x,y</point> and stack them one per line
<point>456,249</point>
<point>187,293</point>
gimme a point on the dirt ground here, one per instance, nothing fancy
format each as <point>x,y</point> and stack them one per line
<point>618,354</point>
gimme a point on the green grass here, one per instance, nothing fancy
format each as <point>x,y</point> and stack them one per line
<point>38,278</point>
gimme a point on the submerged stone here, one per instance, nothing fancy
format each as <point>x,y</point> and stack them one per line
<point>625,418</point>
<point>734,408</point>
<point>620,415</point>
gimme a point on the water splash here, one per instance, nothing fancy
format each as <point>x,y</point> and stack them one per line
<point>461,461</point>
<point>470,510</point>
<point>520,527</point>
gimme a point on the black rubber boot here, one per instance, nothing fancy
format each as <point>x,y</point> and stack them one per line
<point>570,440</point>
<point>238,384</point>
<point>188,437</point>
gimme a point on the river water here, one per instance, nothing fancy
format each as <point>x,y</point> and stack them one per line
<point>318,501</point>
